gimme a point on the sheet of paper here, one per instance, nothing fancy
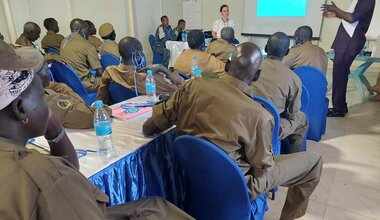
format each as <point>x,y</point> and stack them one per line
<point>161,33</point>
<point>192,13</point>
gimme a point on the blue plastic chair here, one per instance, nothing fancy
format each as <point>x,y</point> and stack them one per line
<point>157,58</point>
<point>276,142</point>
<point>109,60</point>
<point>305,98</point>
<point>51,76</point>
<point>236,41</point>
<point>316,83</point>
<point>217,188</point>
<point>51,50</point>
<point>279,146</point>
<point>65,74</point>
<point>184,76</point>
<point>119,93</point>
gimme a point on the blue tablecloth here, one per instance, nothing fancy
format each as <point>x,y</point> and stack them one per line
<point>152,171</point>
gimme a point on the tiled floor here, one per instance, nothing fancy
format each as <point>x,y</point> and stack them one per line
<point>350,185</point>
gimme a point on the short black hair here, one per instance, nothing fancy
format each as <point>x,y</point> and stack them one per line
<point>129,45</point>
<point>278,45</point>
<point>164,16</point>
<point>223,6</point>
<point>49,23</point>
<point>228,34</point>
<point>195,39</point>
<point>181,21</point>
<point>304,32</point>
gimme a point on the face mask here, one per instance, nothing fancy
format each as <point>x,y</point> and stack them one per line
<point>138,59</point>
<point>297,41</point>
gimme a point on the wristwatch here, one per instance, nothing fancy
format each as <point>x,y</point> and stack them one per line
<point>58,138</point>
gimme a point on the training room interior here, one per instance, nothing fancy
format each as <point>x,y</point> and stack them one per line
<point>350,183</point>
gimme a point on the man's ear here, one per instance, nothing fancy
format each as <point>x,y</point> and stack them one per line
<point>266,49</point>
<point>257,76</point>
<point>287,52</point>
<point>18,109</point>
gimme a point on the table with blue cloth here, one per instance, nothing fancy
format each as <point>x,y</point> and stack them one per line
<point>142,167</point>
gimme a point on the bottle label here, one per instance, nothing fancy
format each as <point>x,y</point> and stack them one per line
<point>103,128</point>
<point>150,87</point>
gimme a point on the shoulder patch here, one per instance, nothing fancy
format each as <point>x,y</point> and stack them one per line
<point>63,103</point>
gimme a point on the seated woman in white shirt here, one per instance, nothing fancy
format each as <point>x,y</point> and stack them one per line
<point>222,22</point>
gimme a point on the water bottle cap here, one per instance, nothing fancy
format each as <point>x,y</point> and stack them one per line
<point>98,104</point>
<point>195,57</point>
<point>149,72</point>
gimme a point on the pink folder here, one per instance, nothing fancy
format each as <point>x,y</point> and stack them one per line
<point>129,113</point>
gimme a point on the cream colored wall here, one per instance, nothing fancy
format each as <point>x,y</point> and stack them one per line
<point>137,18</point>
<point>3,25</point>
<point>211,12</point>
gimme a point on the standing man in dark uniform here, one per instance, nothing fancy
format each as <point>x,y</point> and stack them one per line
<point>348,43</point>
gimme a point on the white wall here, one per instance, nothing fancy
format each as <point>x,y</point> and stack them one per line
<point>3,25</point>
<point>144,14</point>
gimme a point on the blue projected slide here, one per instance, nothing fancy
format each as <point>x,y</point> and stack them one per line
<point>281,8</point>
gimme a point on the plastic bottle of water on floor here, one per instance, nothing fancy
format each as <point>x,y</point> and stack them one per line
<point>150,87</point>
<point>103,130</point>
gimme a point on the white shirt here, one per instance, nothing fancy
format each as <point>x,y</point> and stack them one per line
<point>220,24</point>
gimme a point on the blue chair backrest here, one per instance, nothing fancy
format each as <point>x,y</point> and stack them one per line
<point>305,97</point>
<point>65,74</point>
<point>236,41</point>
<point>109,60</point>
<point>152,40</point>
<point>217,186</point>
<point>51,50</point>
<point>119,93</point>
<point>157,58</point>
<point>276,142</point>
<point>316,84</point>
<point>51,75</point>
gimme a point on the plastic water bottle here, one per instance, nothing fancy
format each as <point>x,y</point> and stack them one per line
<point>194,67</point>
<point>198,73</point>
<point>231,56</point>
<point>185,33</point>
<point>103,130</point>
<point>183,36</point>
<point>150,87</point>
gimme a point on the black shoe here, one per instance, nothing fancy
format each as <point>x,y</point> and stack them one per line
<point>345,109</point>
<point>335,113</point>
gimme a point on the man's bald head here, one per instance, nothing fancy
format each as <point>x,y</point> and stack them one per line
<point>304,33</point>
<point>128,46</point>
<point>227,34</point>
<point>75,25</point>
<point>84,30</point>
<point>92,27</point>
<point>32,31</point>
<point>277,46</point>
<point>51,25</point>
<point>246,63</point>
<point>196,39</point>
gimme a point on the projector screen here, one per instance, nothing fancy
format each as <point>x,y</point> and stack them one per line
<point>269,16</point>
